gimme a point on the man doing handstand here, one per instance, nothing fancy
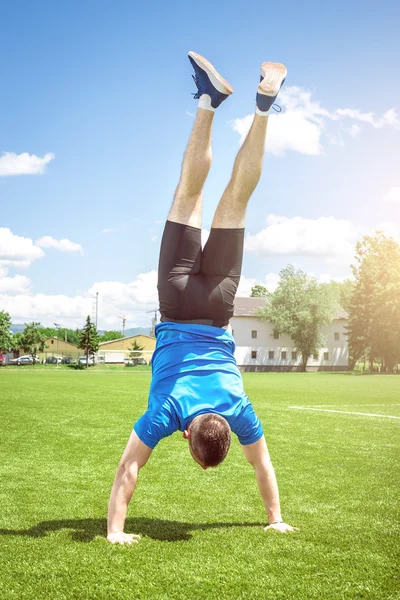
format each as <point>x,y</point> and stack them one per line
<point>196,385</point>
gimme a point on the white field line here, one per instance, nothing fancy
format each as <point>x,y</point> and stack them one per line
<point>343,405</point>
<point>343,412</point>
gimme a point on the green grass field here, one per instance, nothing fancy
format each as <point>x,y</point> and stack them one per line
<point>202,537</point>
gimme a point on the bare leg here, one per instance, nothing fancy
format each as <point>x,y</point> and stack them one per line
<point>231,210</point>
<point>187,205</point>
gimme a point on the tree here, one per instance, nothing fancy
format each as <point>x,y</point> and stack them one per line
<point>374,324</point>
<point>108,336</point>
<point>33,340</point>
<point>5,333</point>
<point>259,291</point>
<point>16,341</point>
<point>136,349</point>
<point>89,339</point>
<point>299,307</point>
<point>343,292</point>
<point>62,333</point>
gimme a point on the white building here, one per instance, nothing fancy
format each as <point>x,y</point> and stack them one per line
<point>258,349</point>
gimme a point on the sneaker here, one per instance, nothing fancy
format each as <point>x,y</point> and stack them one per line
<point>208,80</point>
<point>272,78</point>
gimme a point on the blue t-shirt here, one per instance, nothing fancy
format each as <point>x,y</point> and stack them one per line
<point>195,372</point>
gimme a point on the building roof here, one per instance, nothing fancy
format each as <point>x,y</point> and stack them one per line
<point>130,337</point>
<point>61,340</point>
<point>246,307</point>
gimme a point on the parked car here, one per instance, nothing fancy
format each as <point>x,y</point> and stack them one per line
<point>133,362</point>
<point>53,360</point>
<point>91,362</point>
<point>67,360</point>
<point>27,359</point>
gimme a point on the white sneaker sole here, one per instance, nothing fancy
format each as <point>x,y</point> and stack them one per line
<point>218,82</point>
<point>274,74</point>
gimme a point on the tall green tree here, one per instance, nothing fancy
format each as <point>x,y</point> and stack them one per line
<point>5,333</point>
<point>343,292</point>
<point>299,307</point>
<point>374,324</point>
<point>16,342</point>
<point>136,351</point>
<point>259,291</point>
<point>108,336</point>
<point>33,340</point>
<point>89,339</point>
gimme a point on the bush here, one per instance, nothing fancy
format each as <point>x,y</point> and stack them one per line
<point>77,366</point>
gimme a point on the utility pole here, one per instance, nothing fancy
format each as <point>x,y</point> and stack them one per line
<point>57,326</point>
<point>123,324</point>
<point>97,308</point>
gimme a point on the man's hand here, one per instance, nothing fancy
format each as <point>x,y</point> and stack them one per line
<point>119,537</point>
<point>282,527</point>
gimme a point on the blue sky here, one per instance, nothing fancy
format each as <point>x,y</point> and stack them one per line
<point>97,95</point>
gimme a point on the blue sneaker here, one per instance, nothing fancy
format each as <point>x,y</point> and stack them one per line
<point>272,78</point>
<point>209,81</point>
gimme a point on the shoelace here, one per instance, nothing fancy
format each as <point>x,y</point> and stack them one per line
<point>196,95</point>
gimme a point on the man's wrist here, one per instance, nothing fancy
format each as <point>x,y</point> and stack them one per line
<point>275,522</point>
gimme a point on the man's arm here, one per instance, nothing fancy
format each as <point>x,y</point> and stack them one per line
<point>135,456</point>
<point>258,456</point>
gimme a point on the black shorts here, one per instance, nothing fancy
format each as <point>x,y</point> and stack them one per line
<point>199,285</point>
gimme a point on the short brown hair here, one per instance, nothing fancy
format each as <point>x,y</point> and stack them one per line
<point>210,438</point>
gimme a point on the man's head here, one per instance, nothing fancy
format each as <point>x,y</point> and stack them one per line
<point>209,439</point>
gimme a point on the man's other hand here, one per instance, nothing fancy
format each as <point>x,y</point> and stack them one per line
<point>119,537</point>
<point>282,527</point>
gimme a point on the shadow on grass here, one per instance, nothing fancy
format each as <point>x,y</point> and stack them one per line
<point>85,530</point>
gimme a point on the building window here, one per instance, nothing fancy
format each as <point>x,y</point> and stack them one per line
<point>294,355</point>
<point>271,355</point>
<point>276,335</point>
<point>52,341</point>
<point>254,354</point>
<point>283,355</point>
<point>254,334</point>
<point>337,336</point>
<point>315,356</point>
<point>326,355</point>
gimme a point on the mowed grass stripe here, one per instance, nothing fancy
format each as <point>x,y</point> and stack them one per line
<point>63,434</point>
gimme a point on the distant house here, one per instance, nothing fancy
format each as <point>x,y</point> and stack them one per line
<point>116,351</point>
<point>258,349</point>
<point>54,347</point>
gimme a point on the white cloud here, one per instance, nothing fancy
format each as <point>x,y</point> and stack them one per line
<point>14,285</point>
<point>299,128</point>
<point>19,252</point>
<point>16,250</point>
<point>132,299</point>
<point>354,130</point>
<point>389,118</point>
<point>270,281</point>
<point>63,245</point>
<point>23,164</point>
<point>324,237</point>
<point>393,195</point>
<point>110,230</point>
<point>304,122</point>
